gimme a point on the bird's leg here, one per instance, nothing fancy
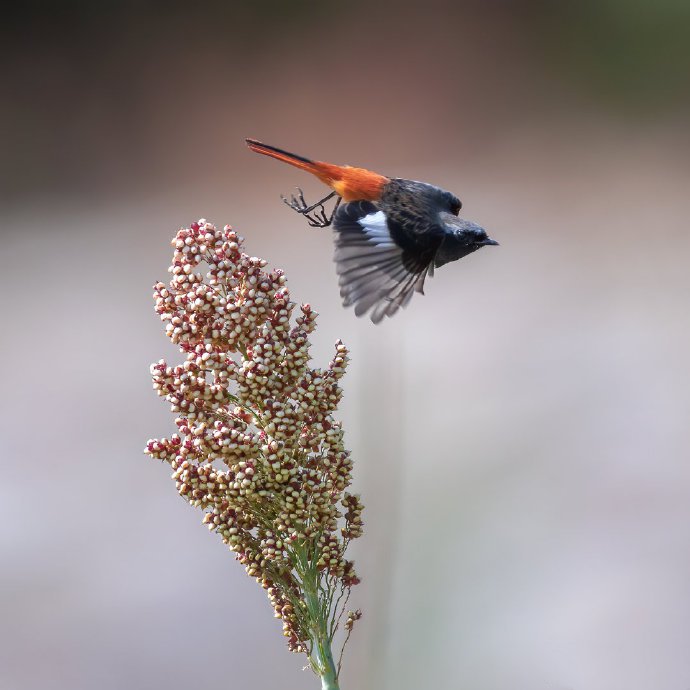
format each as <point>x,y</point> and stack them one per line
<point>298,203</point>
<point>319,218</point>
<point>335,208</point>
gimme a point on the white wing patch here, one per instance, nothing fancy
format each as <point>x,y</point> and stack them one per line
<point>376,229</point>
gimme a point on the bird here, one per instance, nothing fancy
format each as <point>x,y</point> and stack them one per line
<point>390,233</point>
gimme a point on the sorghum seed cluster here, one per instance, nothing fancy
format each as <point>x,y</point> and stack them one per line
<point>256,448</point>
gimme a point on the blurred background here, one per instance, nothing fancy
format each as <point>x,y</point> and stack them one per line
<point>520,434</point>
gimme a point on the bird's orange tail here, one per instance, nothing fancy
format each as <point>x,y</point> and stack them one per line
<point>350,183</point>
<point>326,172</point>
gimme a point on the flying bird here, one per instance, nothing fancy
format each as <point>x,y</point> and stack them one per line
<point>390,233</point>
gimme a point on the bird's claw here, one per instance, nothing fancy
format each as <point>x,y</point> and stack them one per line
<point>315,214</point>
<point>319,218</point>
<point>297,202</point>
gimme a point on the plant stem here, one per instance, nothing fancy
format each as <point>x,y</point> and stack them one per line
<point>321,656</point>
<point>324,659</point>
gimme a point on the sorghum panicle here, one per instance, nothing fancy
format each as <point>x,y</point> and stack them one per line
<point>257,448</point>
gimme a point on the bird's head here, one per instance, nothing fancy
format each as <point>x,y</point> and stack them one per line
<point>463,237</point>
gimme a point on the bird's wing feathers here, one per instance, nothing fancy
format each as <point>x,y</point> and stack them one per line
<point>376,271</point>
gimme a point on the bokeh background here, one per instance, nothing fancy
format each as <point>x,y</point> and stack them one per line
<point>520,433</point>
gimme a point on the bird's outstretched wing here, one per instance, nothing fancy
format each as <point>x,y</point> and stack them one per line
<point>376,273</point>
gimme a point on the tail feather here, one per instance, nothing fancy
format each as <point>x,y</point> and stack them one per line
<point>324,171</point>
<point>352,184</point>
<point>275,152</point>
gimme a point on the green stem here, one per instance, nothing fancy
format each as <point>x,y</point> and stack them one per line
<point>329,675</point>
<point>321,656</point>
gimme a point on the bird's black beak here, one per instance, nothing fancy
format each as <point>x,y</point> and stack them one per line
<point>488,241</point>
